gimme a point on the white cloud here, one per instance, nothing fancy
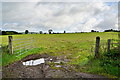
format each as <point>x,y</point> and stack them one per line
<point>60,0</point>
<point>0,15</point>
<point>80,16</point>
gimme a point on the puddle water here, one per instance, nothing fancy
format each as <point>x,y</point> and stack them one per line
<point>43,60</point>
<point>57,65</point>
<point>57,62</point>
<point>34,62</point>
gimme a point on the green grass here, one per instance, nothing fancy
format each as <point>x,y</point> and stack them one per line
<point>78,47</point>
<point>111,62</point>
<point>8,58</point>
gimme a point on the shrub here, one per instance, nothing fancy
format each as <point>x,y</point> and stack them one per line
<point>110,62</point>
<point>4,49</point>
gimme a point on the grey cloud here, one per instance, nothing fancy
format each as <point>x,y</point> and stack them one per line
<point>108,23</point>
<point>58,16</point>
<point>0,15</point>
<point>60,0</point>
<point>110,19</point>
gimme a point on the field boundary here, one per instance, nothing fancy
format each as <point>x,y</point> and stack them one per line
<point>23,44</point>
<point>19,45</point>
<point>106,46</point>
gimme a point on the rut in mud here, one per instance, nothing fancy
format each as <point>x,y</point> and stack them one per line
<point>53,67</point>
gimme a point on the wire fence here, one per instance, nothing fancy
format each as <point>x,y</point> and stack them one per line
<point>106,45</point>
<point>115,44</point>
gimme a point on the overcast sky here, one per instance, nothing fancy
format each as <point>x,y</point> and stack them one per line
<point>59,16</point>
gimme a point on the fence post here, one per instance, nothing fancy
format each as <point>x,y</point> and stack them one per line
<point>118,45</point>
<point>10,44</point>
<point>97,47</point>
<point>109,42</point>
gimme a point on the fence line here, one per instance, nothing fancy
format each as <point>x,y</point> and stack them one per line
<point>20,42</point>
<point>107,46</point>
<point>19,45</point>
<point>24,44</point>
<point>21,39</point>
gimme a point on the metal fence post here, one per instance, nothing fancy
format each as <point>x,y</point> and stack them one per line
<point>10,44</point>
<point>109,42</point>
<point>97,47</point>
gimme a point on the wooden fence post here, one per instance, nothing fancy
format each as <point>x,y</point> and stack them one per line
<point>10,44</point>
<point>109,42</point>
<point>118,45</point>
<point>97,47</point>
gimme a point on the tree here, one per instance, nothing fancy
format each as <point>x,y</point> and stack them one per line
<point>0,32</point>
<point>26,31</point>
<point>40,32</point>
<point>93,31</point>
<point>64,31</point>
<point>50,31</point>
<point>3,32</point>
<point>111,30</point>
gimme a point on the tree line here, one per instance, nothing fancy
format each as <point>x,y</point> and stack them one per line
<point>9,32</point>
<point>50,31</point>
<point>111,30</point>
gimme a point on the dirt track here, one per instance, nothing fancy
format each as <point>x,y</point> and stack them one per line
<point>18,70</point>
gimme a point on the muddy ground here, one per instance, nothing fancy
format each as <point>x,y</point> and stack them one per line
<point>47,70</point>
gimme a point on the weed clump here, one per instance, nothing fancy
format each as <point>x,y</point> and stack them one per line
<point>4,49</point>
<point>110,62</point>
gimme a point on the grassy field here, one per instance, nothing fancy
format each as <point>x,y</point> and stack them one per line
<point>79,47</point>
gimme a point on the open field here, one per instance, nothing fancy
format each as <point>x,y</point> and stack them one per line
<point>77,47</point>
<point>63,44</point>
<point>48,39</point>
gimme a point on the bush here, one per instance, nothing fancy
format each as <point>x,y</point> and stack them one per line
<point>4,49</point>
<point>110,62</point>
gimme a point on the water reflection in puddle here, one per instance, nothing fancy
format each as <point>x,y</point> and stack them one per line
<point>34,62</point>
<point>57,65</point>
<point>57,61</point>
<point>43,60</point>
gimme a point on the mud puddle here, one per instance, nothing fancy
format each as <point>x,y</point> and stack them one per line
<point>43,66</point>
<point>34,62</point>
<point>43,60</point>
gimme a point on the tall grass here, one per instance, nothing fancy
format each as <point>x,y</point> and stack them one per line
<point>111,62</point>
